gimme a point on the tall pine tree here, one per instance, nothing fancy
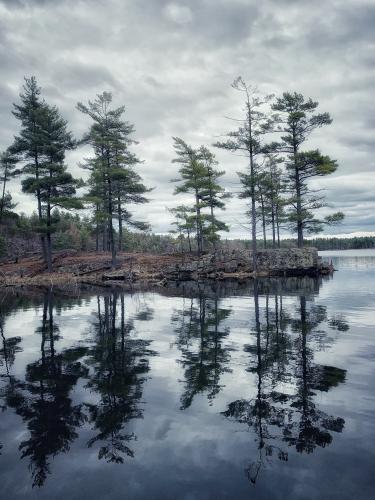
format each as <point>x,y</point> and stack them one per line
<point>7,172</point>
<point>113,182</point>
<point>41,147</point>
<point>28,146</point>
<point>297,120</point>
<point>199,177</point>
<point>56,186</point>
<point>247,140</point>
<point>213,195</point>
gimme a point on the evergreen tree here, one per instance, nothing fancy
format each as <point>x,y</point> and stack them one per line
<point>129,189</point>
<point>199,177</point>
<point>271,188</point>
<point>247,139</point>
<point>7,171</point>
<point>297,120</point>
<point>184,223</point>
<point>41,146</point>
<point>213,195</point>
<point>192,172</point>
<point>55,186</point>
<point>28,146</point>
<point>113,182</point>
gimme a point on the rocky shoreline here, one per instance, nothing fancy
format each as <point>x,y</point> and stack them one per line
<point>95,269</point>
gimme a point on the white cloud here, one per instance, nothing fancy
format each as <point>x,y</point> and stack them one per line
<point>171,64</point>
<point>180,14</point>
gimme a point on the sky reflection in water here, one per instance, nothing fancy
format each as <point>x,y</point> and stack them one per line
<point>261,390</point>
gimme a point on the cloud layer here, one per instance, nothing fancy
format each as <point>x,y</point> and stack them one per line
<point>171,64</point>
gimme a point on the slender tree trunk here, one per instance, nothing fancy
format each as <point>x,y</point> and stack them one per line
<point>119,215</point>
<point>212,212</point>
<point>299,213</point>
<point>212,223</point>
<point>105,206</point>
<point>49,229</point>
<point>40,214</point>
<point>273,224</point>
<point>253,215</point>
<point>110,218</point>
<point>189,240</point>
<point>49,241</point>
<point>97,229</point>
<point>181,243</point>
<point>263,218</point>
<point>298,194</point>
<point>198,224</point>
<point>278,226</point>
<point>104,236</point>
<point>252,192</point>
<point>3,195</point>
<point>49,226</point>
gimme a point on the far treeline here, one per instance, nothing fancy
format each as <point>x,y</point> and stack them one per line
<point>269,140</point>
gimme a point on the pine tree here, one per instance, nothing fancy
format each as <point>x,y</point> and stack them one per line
<point>128,189</point>
<point>113,182</point>
<point>193,174</point>
<point>297,120</point>
<point>41,147</point>
<point>7,171</point>
<point>184,223</point>
<point>28,145</point>
<point>213,195</point>
<point>271,188</point>
<point>200,178</point>
<point>247,139</point>
<point>56,187</point>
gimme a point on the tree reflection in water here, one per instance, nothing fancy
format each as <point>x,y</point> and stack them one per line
<point>114,366</point>
<point>8,349</point>
<point>119,365</point>
<point>281,354</point>
<point>42,399</point>
<point>200,335</point>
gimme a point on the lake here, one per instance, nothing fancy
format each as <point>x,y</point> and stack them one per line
<point>261,390</point>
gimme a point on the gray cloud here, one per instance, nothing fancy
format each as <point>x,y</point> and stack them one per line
<point>171,63</point>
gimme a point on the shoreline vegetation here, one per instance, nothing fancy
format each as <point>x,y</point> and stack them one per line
<point>95,269</point>
<point>271,136</point>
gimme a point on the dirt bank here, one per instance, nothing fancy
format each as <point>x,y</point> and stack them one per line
<point>95,268</point>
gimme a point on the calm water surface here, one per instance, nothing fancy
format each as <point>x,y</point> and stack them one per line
<point>263,390</point>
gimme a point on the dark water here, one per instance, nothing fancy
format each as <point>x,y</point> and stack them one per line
<point>262,390</point>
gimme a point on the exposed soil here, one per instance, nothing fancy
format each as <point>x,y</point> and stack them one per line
<point>71,267</point>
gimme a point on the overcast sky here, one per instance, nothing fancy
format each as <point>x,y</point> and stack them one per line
<point>172,63</point>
